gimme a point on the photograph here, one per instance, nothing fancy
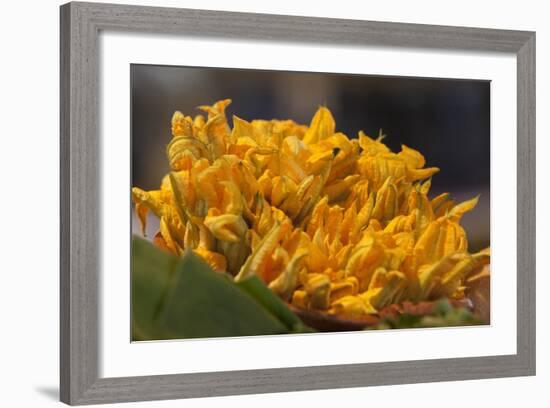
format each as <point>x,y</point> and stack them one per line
<point>280,202</point>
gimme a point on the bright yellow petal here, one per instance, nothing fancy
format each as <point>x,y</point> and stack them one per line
<point>460,209</point>
<point>264,248</point>
<point>215,260</point>
<point>322,126</point>
<point>181,125</point>
<point>226,227</point>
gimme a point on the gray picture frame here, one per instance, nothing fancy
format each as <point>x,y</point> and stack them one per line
<point>81,24</point>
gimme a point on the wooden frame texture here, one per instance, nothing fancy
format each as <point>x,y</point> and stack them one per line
<point>80,234</point>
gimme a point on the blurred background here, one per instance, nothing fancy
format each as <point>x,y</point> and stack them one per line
<point>447,120</point>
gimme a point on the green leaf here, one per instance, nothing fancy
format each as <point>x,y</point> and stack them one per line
<point>175,298</point>
<point>205,303</point>
<point>152,270</point>
<point>256,288</point>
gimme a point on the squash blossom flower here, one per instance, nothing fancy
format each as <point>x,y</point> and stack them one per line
<point>330,223</point>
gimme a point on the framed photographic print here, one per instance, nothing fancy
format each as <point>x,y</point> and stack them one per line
<point>260,203</point>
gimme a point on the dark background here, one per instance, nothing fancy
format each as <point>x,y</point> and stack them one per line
<point>447,120</point>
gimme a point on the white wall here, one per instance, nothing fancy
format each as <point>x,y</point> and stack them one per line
<point>29,202</point>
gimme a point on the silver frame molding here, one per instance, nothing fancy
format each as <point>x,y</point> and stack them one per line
<point>80,155</point>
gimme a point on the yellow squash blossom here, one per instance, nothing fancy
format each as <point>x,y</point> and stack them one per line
<point>330,223</point>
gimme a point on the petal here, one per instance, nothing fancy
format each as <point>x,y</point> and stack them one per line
<point>215,260</point>
<point>352,306</point>
<point>182,151</point>
<point>460,209</point>
<point>181,125</point>
<point>318,289</point>
<point>287,281</point>
<point>226,227</point>
<point>322,126</point>
<point>264,248</point>
<point>168,239</point>
<point>339,190</point>
<point>411,157</point>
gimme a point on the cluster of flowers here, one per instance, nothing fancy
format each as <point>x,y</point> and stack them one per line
<point>329,223</point>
